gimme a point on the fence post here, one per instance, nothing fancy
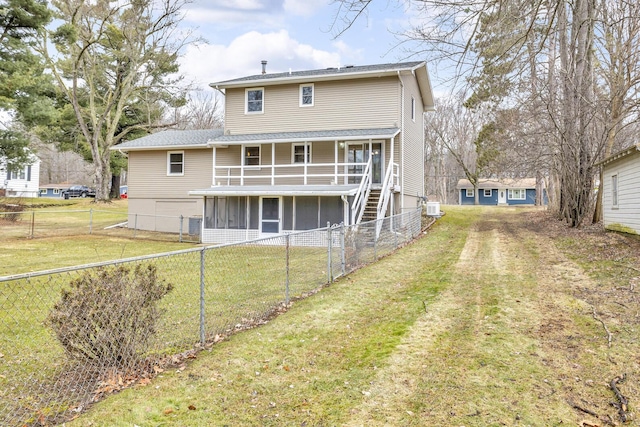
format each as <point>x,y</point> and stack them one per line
<point>392,227</point>
<point>286,298</point>
<point>375,240</point>
<point>33,222</point>
<point>329,260</point>
<point>180,234</point>
<point>202,278</point>
<point>343,260</point>
<point>90,220</point>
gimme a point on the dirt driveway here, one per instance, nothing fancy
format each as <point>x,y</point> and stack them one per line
<point>524,335</point>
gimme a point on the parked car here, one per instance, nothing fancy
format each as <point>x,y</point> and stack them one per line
<point>79,191</point>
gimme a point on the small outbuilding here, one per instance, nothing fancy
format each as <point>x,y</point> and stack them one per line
<point>620,195</point>
<point>501,192</point>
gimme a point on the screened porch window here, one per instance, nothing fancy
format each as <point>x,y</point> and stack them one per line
<point>230,212</point>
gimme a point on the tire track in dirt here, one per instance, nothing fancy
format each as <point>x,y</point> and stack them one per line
<point>487,350</point>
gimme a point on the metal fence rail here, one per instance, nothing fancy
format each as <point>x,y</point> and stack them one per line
<point>48,223</point>
<point>216,291</point>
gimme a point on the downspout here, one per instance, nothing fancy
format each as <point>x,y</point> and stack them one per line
<point>401,143</point>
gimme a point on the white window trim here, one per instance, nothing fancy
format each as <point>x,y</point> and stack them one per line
<point>56,191</point>
<point>469,192</point>
<point>244,156</point>
<point>615,194</point>
<point>313,95</point>
<point>169,173</point>
<point>246,100</point>
<point>490,191</point>
<point>43,191</point>
<point>522,191</point>
<point>293,153</point>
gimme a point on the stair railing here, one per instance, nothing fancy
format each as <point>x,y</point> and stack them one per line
<point>361,196</point>
<point>385,196</point>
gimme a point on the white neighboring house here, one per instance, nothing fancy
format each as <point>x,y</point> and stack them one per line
<point>620,197</point>
<point>23,182</point>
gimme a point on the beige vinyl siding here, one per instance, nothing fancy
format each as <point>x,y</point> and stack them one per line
<point>626,216</point>
<point>368,103</point>
<point>413,148</point>
<point>148,174</point>
<point>163,215</point>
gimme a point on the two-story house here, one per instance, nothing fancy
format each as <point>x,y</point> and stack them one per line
<point>298,150</point>
<point>22,181</point>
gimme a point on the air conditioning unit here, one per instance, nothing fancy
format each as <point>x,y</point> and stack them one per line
<point>433,209</point>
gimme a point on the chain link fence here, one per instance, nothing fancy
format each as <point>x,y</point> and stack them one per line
<point>51,223</point>
<point>70,336</point>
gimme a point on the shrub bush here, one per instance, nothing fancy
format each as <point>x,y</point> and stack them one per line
<point>107,316</point>
<point>13,211</point>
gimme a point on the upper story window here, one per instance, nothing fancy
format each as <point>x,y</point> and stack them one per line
<point>252,156</point>
<point>517,194</point>
<point>306,95</point>
<point>614,191</point>
<point>301,152</point>
<point>175,163</point>
<point>254,100</point>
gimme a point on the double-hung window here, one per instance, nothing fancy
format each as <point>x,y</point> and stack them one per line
<point>301,152</point>
<point>254,100</point>
<point>469,192</point>
<point>252,155</point>
<point>175,163</point>
<point>306,95</point>
<point>487,192</point>
<point>517,194</point>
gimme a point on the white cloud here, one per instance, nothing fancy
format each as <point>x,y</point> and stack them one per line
<point>303,7</point>
<point>242,57</point>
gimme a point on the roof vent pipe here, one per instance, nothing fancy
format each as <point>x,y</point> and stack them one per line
<point>264,66</point>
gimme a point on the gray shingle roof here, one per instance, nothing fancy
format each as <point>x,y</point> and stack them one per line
<point>172,138</point>
<point>498,183</point>
<point>203,138</point>
<point>347,70</point>
<point>309,135</point>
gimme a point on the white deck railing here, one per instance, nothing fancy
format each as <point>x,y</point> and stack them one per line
<point>316,173</point>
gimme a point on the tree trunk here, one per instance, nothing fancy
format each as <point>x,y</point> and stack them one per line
<point>115,187</point>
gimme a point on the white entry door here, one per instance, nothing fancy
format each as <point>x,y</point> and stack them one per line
<point>270,215</point>
<point>502,196</point>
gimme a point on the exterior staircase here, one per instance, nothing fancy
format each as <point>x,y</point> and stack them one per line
<point>371,208</point>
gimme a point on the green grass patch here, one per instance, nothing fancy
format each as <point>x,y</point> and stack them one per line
<point>310,366</point>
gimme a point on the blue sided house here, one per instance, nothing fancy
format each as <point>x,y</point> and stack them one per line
<point>501,192</point>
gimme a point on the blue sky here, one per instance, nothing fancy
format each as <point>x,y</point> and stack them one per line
<point>289,34</point>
